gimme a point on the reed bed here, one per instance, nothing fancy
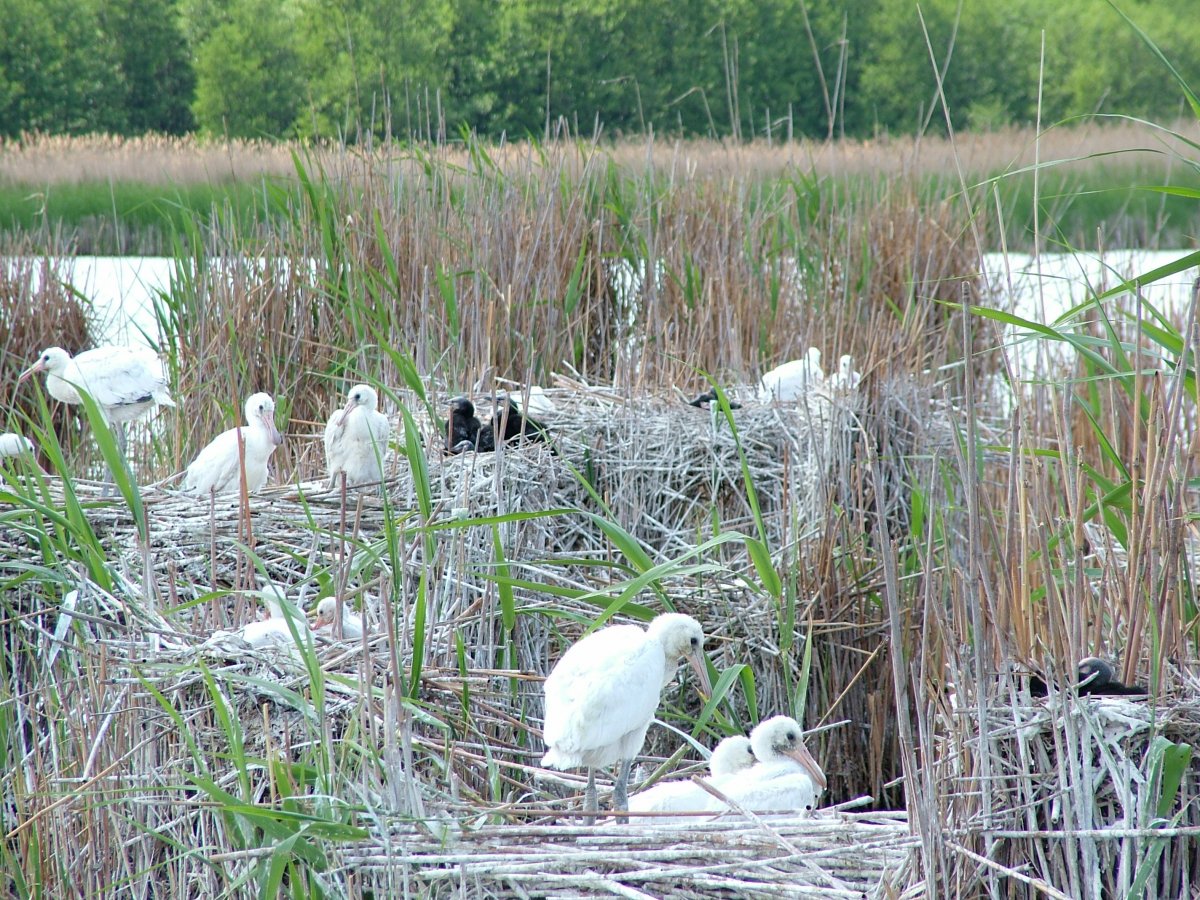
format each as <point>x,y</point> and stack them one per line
<point>883,566</point>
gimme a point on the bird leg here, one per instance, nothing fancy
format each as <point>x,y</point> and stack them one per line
<point>590,803</point>
<point>620,789</point>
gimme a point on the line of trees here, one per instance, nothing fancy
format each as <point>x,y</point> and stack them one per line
<point>336,68</point>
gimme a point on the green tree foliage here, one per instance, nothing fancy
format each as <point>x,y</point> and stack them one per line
<point>248,72</point>
<point>428,68</point>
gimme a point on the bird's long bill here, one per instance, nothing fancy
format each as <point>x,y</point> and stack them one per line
<point>350,404</point>
<point>802,756</point>
<point>272,429</point>
<point>32,370</point>
<point>696,661</point>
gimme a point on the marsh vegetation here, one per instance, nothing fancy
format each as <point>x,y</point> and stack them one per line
<point>883,568</point>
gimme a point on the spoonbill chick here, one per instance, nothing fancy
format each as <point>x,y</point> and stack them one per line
<point>787,777</point>
<point>217,468</point>
<point>602,695</point>
<point>734,754</point>
<point>356,438</point>
<point>352,622</point>
<point>13,444</point>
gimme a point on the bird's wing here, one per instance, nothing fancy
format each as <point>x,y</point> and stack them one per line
<point>215,466</point>
<point>605,686</point>
<point>770,786</point>
<point>334,439</point>
<point>119,375</point>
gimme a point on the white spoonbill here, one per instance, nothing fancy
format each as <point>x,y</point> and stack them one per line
<point>273,631</point>
<point>845,379</point>
<point>734,754</point>
<point>787,777</point>
<point>13,444</point>
<point>602,695</point>
<point>125,382</point>
<point>217,469</point>
<point>352,622</point>
<point>793,379</point>
<point>356,439</point>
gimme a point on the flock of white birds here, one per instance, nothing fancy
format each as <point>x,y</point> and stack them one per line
<point>601,696</point>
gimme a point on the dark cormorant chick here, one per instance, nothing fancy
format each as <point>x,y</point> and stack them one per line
<point>509,424</point>
<point>710,396</point>
<point>462,428</point>
<point>1097,677</point>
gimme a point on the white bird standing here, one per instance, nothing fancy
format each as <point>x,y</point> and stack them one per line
<point>13,444</point>
<point>602,695</point>
<point>793,380</point>
<point>734,754</point>
<point>787,777</point>
<point>216,469</point>
<point>125,382</point>
<point>356,439</point>
<point>352,622</point>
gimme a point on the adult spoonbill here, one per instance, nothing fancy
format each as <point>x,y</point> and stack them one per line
<point>217,468</point>
<point>602,695</point>
<point>356,439</point>
<point>352,622</point>
<point>125,382</point>
<point>793,380</point>
<point>734,754</point>
<point>13,444</point>
<point>787,777</point>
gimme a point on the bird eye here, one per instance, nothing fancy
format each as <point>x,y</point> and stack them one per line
<point>695,642</point>
<point>791,736</point>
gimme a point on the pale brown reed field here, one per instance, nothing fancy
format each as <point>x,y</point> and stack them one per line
<point>934,545</point>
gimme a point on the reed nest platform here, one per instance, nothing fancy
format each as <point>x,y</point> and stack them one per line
<point>832,855</point>
<point>1099,796</point>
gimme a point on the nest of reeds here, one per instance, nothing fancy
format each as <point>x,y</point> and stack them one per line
<point>1094,790</point>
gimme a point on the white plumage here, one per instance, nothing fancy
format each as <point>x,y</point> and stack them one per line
<point>352,623</point>
<point>13,444</point>
<point>217,467</point>
<point>734,754</point>
<point>272,632</point>
<point>602,695</point>
<point>845,379</point>
<point>787,778</point>
<point>124,381</point>
<point>356,439</point>
<point>793,380</point>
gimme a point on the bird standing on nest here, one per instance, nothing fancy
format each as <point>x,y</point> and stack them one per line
<point>356,439</point>
<point>602,695</point>
<point>218,467</point>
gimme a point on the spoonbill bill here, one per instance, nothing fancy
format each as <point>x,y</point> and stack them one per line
<point>734,754</point>
<point>356,439</point>
<point>126,382</point>
<point>352,622</point>
<point>787,777</point>
<point>793,380</point>
<point>217,468</point>
<point>602,695</point>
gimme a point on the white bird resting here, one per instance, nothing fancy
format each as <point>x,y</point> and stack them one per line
<point>602,695</point>
<point>356,439</point>
<point>217,469</point>
<point>352,622</point>
<point>732,755</point>
<point>787,778</point>
<point>125,382</point>
<point>793,380</point>
<point>279,631</point>
<point>845,379</point>
<point>13,444</point>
